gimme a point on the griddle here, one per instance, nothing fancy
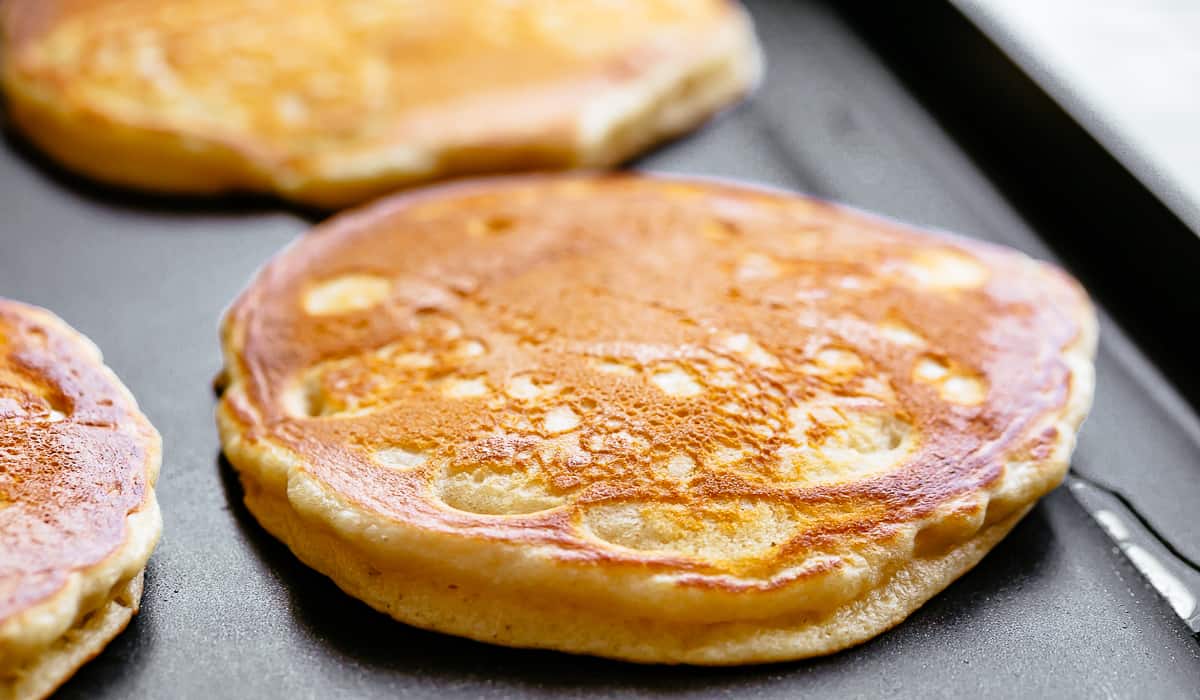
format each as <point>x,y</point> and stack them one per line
<point>901,108</point>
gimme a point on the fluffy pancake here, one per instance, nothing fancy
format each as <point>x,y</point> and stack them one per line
<point>333,101</point>
<point>649,419</point>
<point>78,516</point>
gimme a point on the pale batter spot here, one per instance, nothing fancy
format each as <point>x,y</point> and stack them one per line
<point>719,529</point>
<point>347,293</point>
<point>467,349</point>
<point>400,458</point>
<point>304,398</point>
<point>876,387</point>
<point>745,347</point>
<point>524,388</point>
<point>946,269</point>
<point>614,367</point>
<point>437,325</point>
<point>291,109</point>
<point>501,488</point>
<point>839,360</point>
<point>930,369</point>
<point>678,468</point>
<point>560,419</point>
<point>676,381</point>
<point>900,334</point>
<point>756,266</point>
<point>831,442</point>
<point>413,360</point>
<point>954,382</point>
<point>564,449</point>
<point>722,379</point>
<point>963,389</point>
<point>725,456</point>
<point>457,388</point>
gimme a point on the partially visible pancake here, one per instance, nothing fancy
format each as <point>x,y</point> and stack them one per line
<point>649,419</point>
<point>78,517</point>
<point>331,102</point>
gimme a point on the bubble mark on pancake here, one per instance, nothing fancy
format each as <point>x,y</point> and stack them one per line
<point>611,366</point>
<point>744,346</point>
<point>560,419</point>
<point>524,387</point>
<point>899,333</point>
<point>304,399</point>
<point>400,458</point>
<point>837,364</point>
<point>678,468</point>
<point>756,266</point>
<point>946,269</point>
<point>840,439</point>
<point>930,370</point>
<point>502,475</point>
<point>964,389</point>
<point>954,382</point>
<point>464,388</point>
<point>345,294</point>
<point>673,380</point>
<point>464,350</point>
<point>720,529</point>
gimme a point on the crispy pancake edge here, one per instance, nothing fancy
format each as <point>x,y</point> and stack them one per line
<point>158,157</point>
<point>40,626</point>
<point>270,476</point>
<point>41,676</point>
<point>543,622</point>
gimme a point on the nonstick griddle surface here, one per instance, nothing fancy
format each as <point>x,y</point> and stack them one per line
<point>1055,610</point>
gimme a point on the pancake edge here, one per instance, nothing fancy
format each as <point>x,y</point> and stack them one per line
<point>40,676</point>
<point>158,158</point>
<point>36,629</point>
<point>539,623</point>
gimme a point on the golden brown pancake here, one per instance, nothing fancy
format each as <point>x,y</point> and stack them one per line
<point>655,420</point>
<point>78,517</point>
<point>330,102</point>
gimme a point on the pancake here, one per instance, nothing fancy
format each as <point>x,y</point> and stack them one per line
<point>649,419</point>
<point>78,516</point>
<point>332,102</point>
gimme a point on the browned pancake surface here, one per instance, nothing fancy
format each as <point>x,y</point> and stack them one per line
<point>73,457</point>
<point>533,360</point>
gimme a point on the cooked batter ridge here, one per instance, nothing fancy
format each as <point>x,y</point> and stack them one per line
<point>649,419</point>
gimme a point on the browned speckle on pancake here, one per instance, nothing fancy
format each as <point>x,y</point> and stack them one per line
<point>76,458</point>
<point>736,386</point>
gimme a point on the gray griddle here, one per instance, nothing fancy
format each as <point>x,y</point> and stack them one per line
<point>886,109</point>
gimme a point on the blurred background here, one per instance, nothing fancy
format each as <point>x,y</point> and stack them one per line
<point>1131,67</point>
